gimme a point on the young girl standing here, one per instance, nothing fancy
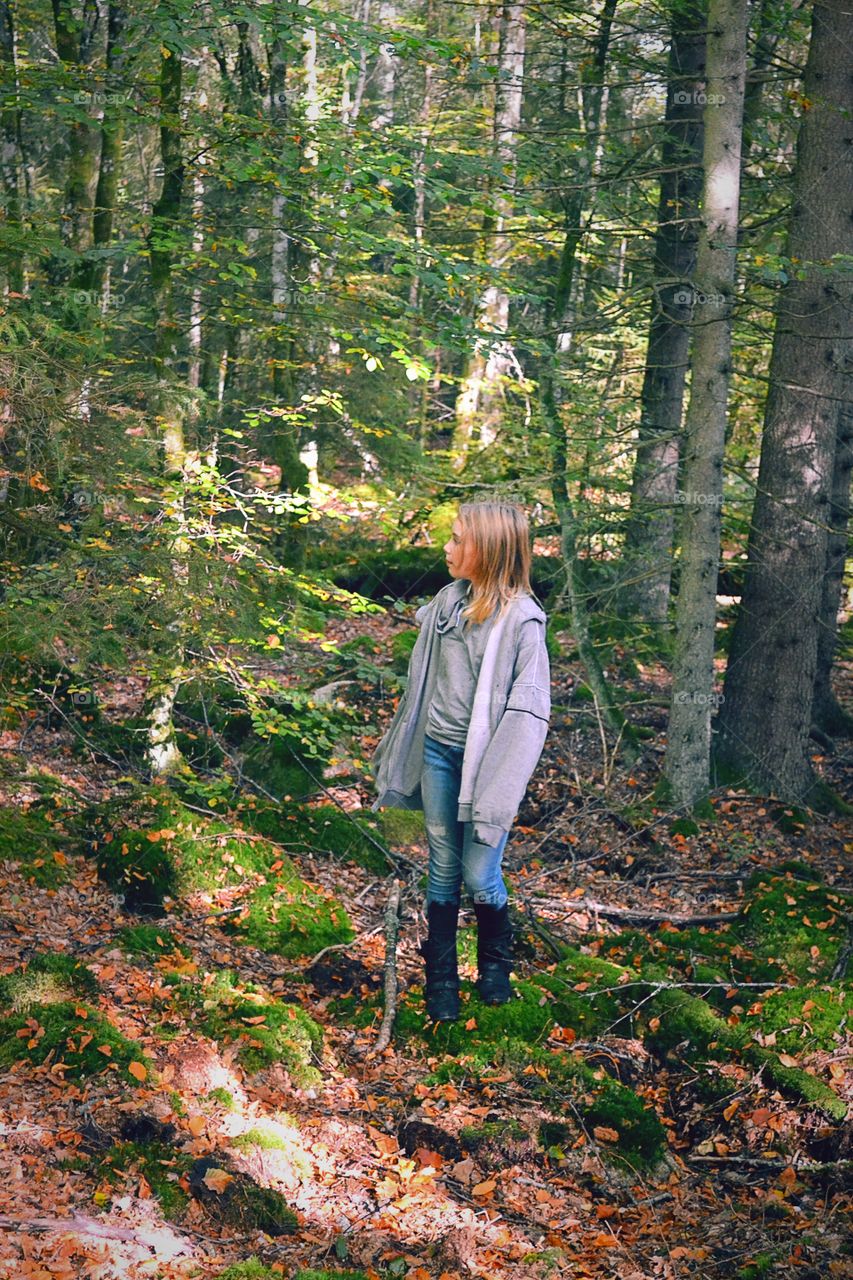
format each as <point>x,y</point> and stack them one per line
<point>467,734</point>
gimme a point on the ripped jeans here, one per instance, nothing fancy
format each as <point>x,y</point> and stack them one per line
<point>454,855</point>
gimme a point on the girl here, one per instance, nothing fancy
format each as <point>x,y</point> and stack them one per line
<point>466,737</point>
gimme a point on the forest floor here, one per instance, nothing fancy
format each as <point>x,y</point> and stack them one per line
<point>373,1156</point>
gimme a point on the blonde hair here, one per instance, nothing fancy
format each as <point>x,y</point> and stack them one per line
<point>501,537</point>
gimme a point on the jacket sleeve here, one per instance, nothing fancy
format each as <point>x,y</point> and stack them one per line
<point>420,617</point>
<point>516,745</point>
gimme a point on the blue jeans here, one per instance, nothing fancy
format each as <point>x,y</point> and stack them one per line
<point>454,855</point>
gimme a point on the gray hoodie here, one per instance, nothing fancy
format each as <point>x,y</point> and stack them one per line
<point>509,718</point>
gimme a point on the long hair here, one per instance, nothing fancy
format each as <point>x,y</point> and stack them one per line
<point>501,538</point>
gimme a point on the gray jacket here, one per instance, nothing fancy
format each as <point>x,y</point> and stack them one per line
<point>509,718</point>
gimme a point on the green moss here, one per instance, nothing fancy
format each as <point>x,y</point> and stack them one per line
<point>70,1033</point>
<point>473,1135</point>
<point>330,1275</point>
<point>804,1018</point>
<point>148,940</point>
<point>228,1013</point>
<point>36,838</point>
<point>161,1165</point>
<point>402,827</point>
<point>260,1138</point>
<point>614,1106</point>
<point>319,829</point>
<point>152,847</point>
<point>280,765</point>
<point>289,918</point>
<point>801,924</point>
<point>251,1269</point>
<point>48,977</point>
<point>223,1098</point>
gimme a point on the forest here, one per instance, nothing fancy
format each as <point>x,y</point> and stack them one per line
<point>282,285</point>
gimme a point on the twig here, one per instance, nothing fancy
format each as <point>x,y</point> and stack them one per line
<point>392,919</point>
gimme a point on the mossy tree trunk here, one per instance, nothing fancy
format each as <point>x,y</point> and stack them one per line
<point>75,45</point>
<point>169,403</point>
<point>687,761</point>
<point>10,150</point>
<point>765,719</point>
<point>647,557</point>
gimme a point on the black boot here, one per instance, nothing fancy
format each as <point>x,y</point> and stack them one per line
<point>494,953</point>
<point>439,951</point>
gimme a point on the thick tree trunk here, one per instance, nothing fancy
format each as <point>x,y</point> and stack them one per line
<point>687,760</point>
<point>827,714</point>
<point>764,723</point>
<point>647,561</point>
<point>481,396</point>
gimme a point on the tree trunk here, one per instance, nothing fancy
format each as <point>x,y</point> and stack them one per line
<point>282,441</point>
<point>10,153</point>
<point>163,754</point>
<point>75,42</point>
<point>765,719</point>
<point>647,560</point>
<point>557,321</point>
<point>827,714</point>
<point>480,401</point>
<point>687,761</point>
<point>112,136</point>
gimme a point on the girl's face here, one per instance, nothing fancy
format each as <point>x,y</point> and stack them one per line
<point>460,553</point>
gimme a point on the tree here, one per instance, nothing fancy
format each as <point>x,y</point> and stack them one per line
<point>764,722</point>
<point>687,760</point>
<point>647,556</point>
<point>479,403</point>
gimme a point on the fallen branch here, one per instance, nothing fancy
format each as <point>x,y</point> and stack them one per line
<point>632,916</point>
<point>392,918</point>
<point>85,1226</point>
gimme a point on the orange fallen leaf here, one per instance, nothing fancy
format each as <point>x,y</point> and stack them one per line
<point>603,1134</point>
<point>484,1188</point>
<point>196,1125</point>
<point>106,1050</point>
<point>138,1070</point>
<point>217,1180</point>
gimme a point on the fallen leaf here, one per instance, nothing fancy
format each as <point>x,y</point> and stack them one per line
<point>217,1180</point>
<point>138,1070</point>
